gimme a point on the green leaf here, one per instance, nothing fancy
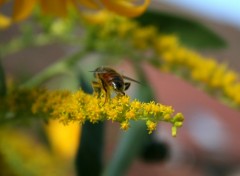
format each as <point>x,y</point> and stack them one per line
<point>191,33</point>
<point>90,151</point>
<point>128,149</point>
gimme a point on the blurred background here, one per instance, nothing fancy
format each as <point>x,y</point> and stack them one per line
<point>207,145</point>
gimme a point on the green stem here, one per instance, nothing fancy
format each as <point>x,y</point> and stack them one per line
<point>3,89</point>
<point>19,43</point>
<point>60,67</point>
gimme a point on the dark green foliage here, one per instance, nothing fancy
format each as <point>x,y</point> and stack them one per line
<point>191,33</point>
<point>89,156</point>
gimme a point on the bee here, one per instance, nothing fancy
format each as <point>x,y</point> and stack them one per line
<point>107,80</point>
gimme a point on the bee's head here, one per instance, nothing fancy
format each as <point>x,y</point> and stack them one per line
<point>118,87</point>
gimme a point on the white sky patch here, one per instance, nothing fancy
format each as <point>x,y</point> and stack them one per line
<point>219,10</point>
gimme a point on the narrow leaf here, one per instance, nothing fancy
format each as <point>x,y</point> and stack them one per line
<point>191,33</point>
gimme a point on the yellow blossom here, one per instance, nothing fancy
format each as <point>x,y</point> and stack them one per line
<point>67,106</point>
<point>135,104</point>
<point>179,117</point>
<point>229,77</point>
<point>23,8</point>
<point>125,125</point>
<point>125,7</point>
<point>166,116</point>
<point>168,57</point>
<point>58,134</point>
<point>166,42</point>
<point>144,37</point>
<point>33,158</point>
<point>4,21</point>
<point>151,126</point>
<point>217,75</point>
<point>174,57</point>
<point>126,27</point>
<point>130,114</point>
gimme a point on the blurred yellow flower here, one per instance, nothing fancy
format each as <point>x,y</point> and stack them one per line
<point>144,37</point>
<point>4,21</point>
<point>24,154</point>
<point>125,7</point>
<point>64,139</point>
<point>59,8</point>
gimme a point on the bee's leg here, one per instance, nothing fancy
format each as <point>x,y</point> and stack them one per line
<point>107,92</point>
<point>107,95</point>
<point>126,85</point>
<point>120,94</point>
<point>96,88</point>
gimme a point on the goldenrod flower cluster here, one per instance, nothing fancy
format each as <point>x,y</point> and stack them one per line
<point>67,107</point>
<point>217,78</point>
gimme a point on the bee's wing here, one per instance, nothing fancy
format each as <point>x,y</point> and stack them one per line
<point>130,79</point>
<point>94,71</point>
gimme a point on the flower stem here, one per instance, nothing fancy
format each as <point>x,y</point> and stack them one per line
<point>19,43</point>
<point>60,67</point>
<point>3,89</point>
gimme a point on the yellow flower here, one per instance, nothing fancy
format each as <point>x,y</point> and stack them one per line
<point>177,123</point>
<point>4,21</point>
<point>229,77</point>
<point>33,158</point>
<point>67,107</point>
<point>125,7</point>
<point>58,134</point>
<point>130,115</point>
<point>151,126</point>
<point>144,37</point>
<point>166,42</point>
<point>217,76</point>
<point>125,28</point>
<point>59,8</point>
<point>124,125</point>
